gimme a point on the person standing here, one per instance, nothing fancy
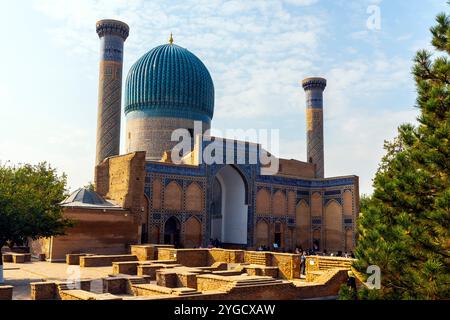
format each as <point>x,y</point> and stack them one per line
<point>351,283</point>
<point>303,263</point>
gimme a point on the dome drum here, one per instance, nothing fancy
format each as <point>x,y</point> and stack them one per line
<point>154,134</point>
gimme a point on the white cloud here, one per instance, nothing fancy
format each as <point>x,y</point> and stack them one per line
<point>356,122</point>
<point>301,2</point>
<point>257,53</point>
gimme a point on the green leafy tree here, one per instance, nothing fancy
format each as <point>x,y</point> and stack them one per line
<point>29,203</point>
<point>404,225</point>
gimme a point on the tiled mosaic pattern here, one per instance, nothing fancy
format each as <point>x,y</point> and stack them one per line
<point>112,36</point>
<point>170,81</point>
<point>153,135</point>
<point>330,189</point>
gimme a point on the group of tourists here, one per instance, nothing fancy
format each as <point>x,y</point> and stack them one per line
<point>313,252</point>
<point>214,243</point>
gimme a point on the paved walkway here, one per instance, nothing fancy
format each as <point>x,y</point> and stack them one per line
<point>21,275</point>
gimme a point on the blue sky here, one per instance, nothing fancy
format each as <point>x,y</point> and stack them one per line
<point>257,53</point>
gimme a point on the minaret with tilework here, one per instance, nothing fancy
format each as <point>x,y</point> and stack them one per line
<point>112,34</point>
<point>314,88</point>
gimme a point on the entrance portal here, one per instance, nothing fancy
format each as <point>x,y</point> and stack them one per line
<point>278,233</point>
<point>229,221</point>
<point>172,230</point>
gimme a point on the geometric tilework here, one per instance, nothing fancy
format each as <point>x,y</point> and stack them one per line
<point>314,88</point>
<point>205,176</point>
<point>112,35</point>
<point>170,81</point>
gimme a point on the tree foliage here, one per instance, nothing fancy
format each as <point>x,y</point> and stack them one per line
<point>404,225</point>
<point>29,203</point>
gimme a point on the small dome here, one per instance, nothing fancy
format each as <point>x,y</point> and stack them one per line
<point>170,81</point>
<point>86,198</point>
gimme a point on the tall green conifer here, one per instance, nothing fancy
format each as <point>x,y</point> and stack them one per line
<point>404,225</point>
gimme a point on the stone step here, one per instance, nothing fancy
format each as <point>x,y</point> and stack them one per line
<point>241,284</point>
<point>68,286</point>
<point>154,288</point>
<point>105,260</point>
<point>256,282</point>
<point>136,281</point>
<point>85,295</point>
<point>185,291</point>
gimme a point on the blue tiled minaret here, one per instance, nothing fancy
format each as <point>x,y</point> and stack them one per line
<point>112,35</point>
<point>314,88</point>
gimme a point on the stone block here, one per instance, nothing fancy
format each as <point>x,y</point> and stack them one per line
<point>21,257</point>
<point>115,285</point>
<point>187,280</point>
<point>270,272</point>
<point>7,257</point>
<point>104,260</point>
<point>43,291</point>
<point>73,259</point>
<point>125,267</point>
<point>6,292</point>
<point>168,280</point>
<point>148,251</point>
<point>148,270</point>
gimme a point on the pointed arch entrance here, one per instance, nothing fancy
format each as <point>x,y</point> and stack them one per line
<point>230,216</point>
<point>172,230</point>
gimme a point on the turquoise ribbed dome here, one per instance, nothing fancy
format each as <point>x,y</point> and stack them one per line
<point>170,81</point>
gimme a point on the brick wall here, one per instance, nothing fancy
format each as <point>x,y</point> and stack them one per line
<point>192,257</point>
<point>148,251</point>
<point>227,256</point>
<point>258,257</point>
<point>288,265</point>
<point>212,283</point>
<point>95,231</point>
<point>122,179</point>
<point>295,168</point>
<point>320,263</point>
